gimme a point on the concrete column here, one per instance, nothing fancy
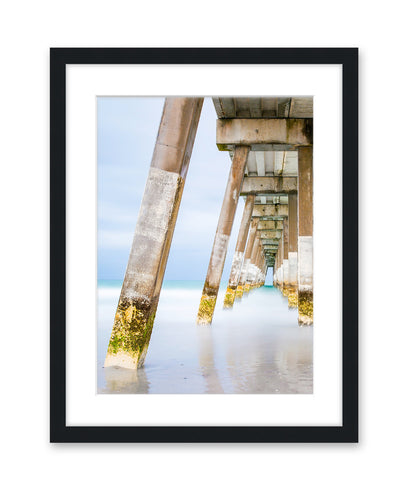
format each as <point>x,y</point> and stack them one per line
<point>265,269</point>
<point>256,273</point>
<point>139,295</point>
<point>305,239</point>
<point>247,257</point>
<point>279,279</point>
<point>239,252</point>
<point>222,236</point>
<point>285,263</point>
<point>293,251</point>
<point>281,255</point>
<point>251,270</point>
<point>275,268</point>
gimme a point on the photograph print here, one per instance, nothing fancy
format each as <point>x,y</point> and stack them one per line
<point>205,245</point>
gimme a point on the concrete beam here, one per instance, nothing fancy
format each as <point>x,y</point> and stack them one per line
<point>272,199</point>
<point>270,242</point>
<point>270,225</point>
<point>269,210</point>
<point>270,234</point>
<point>270,219</point>
<point>264,132</point>
<point>269,185</point>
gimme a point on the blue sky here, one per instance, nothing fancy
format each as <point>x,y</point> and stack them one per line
<point>127,130</point>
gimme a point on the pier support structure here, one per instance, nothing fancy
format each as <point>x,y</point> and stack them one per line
<point>278,264</point>
<point>275,269</point>
<point>222,236</point>
<point>305,238</point>
<point>247,258</point>
<point>139,295</point>
<point>239,252</point>
<point>285,256</point>
<point>293,251</point>
<point>251,269</point>
<point>280,160</point>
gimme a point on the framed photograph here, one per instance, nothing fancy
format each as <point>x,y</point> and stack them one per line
<point>204,245</point>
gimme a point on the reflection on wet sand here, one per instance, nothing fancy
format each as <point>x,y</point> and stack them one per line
<point>119,380</point>
<point>255,348</point>
<point>270,365</point>
<point>206,360</point>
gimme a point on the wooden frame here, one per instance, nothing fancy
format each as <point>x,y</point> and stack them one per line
<point>59,59</point>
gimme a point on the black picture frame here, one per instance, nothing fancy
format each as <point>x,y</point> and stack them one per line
<point>59,59</point>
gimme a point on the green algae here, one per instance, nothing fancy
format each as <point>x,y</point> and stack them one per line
<point>305,307</point>
<point>229,297</point>
<point>206,309</point>
<point>132,329</point>
<point>292,299</point>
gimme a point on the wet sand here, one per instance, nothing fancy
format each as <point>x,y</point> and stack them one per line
<point>256,347</point>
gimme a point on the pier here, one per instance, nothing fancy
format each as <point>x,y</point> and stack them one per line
<point>270,144</point>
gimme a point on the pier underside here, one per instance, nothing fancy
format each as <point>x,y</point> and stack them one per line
<point>270,144</point>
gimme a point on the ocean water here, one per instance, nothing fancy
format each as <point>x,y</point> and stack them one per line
<point>256,347</point>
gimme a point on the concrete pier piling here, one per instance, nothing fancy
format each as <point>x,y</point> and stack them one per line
<point>275,269</point>
<point>293,251</point>
<point>139,295</point>
<point>239,252</point>
<point>251,268</point>
<point>305,238</point>
<point>247,258</point>
<point>285,263</point>
<point>256,270</point>
<point>222,236</point>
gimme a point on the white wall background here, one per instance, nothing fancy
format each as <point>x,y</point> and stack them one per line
<point>382,465</point>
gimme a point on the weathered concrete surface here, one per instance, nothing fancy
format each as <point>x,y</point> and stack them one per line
<point>258,265</point>
<point>305,276</point>
<point>252,268</point>
<point>279,264</point>
<point>292,284</point>
<point>269,185</point>
<point>238,257</point>
<point>266,162</point>
<point>270,234</point>
<point>293,239</point>
<point>305,240</point>
<point>247,258</point>
<point>270,225</point>
<point>285,256</point>
<point>270,210</point>
<point>263,107</point>
<point>275,268</point>
<point>280,131</point>
<point>225,224</point>
<point>139,295</point>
